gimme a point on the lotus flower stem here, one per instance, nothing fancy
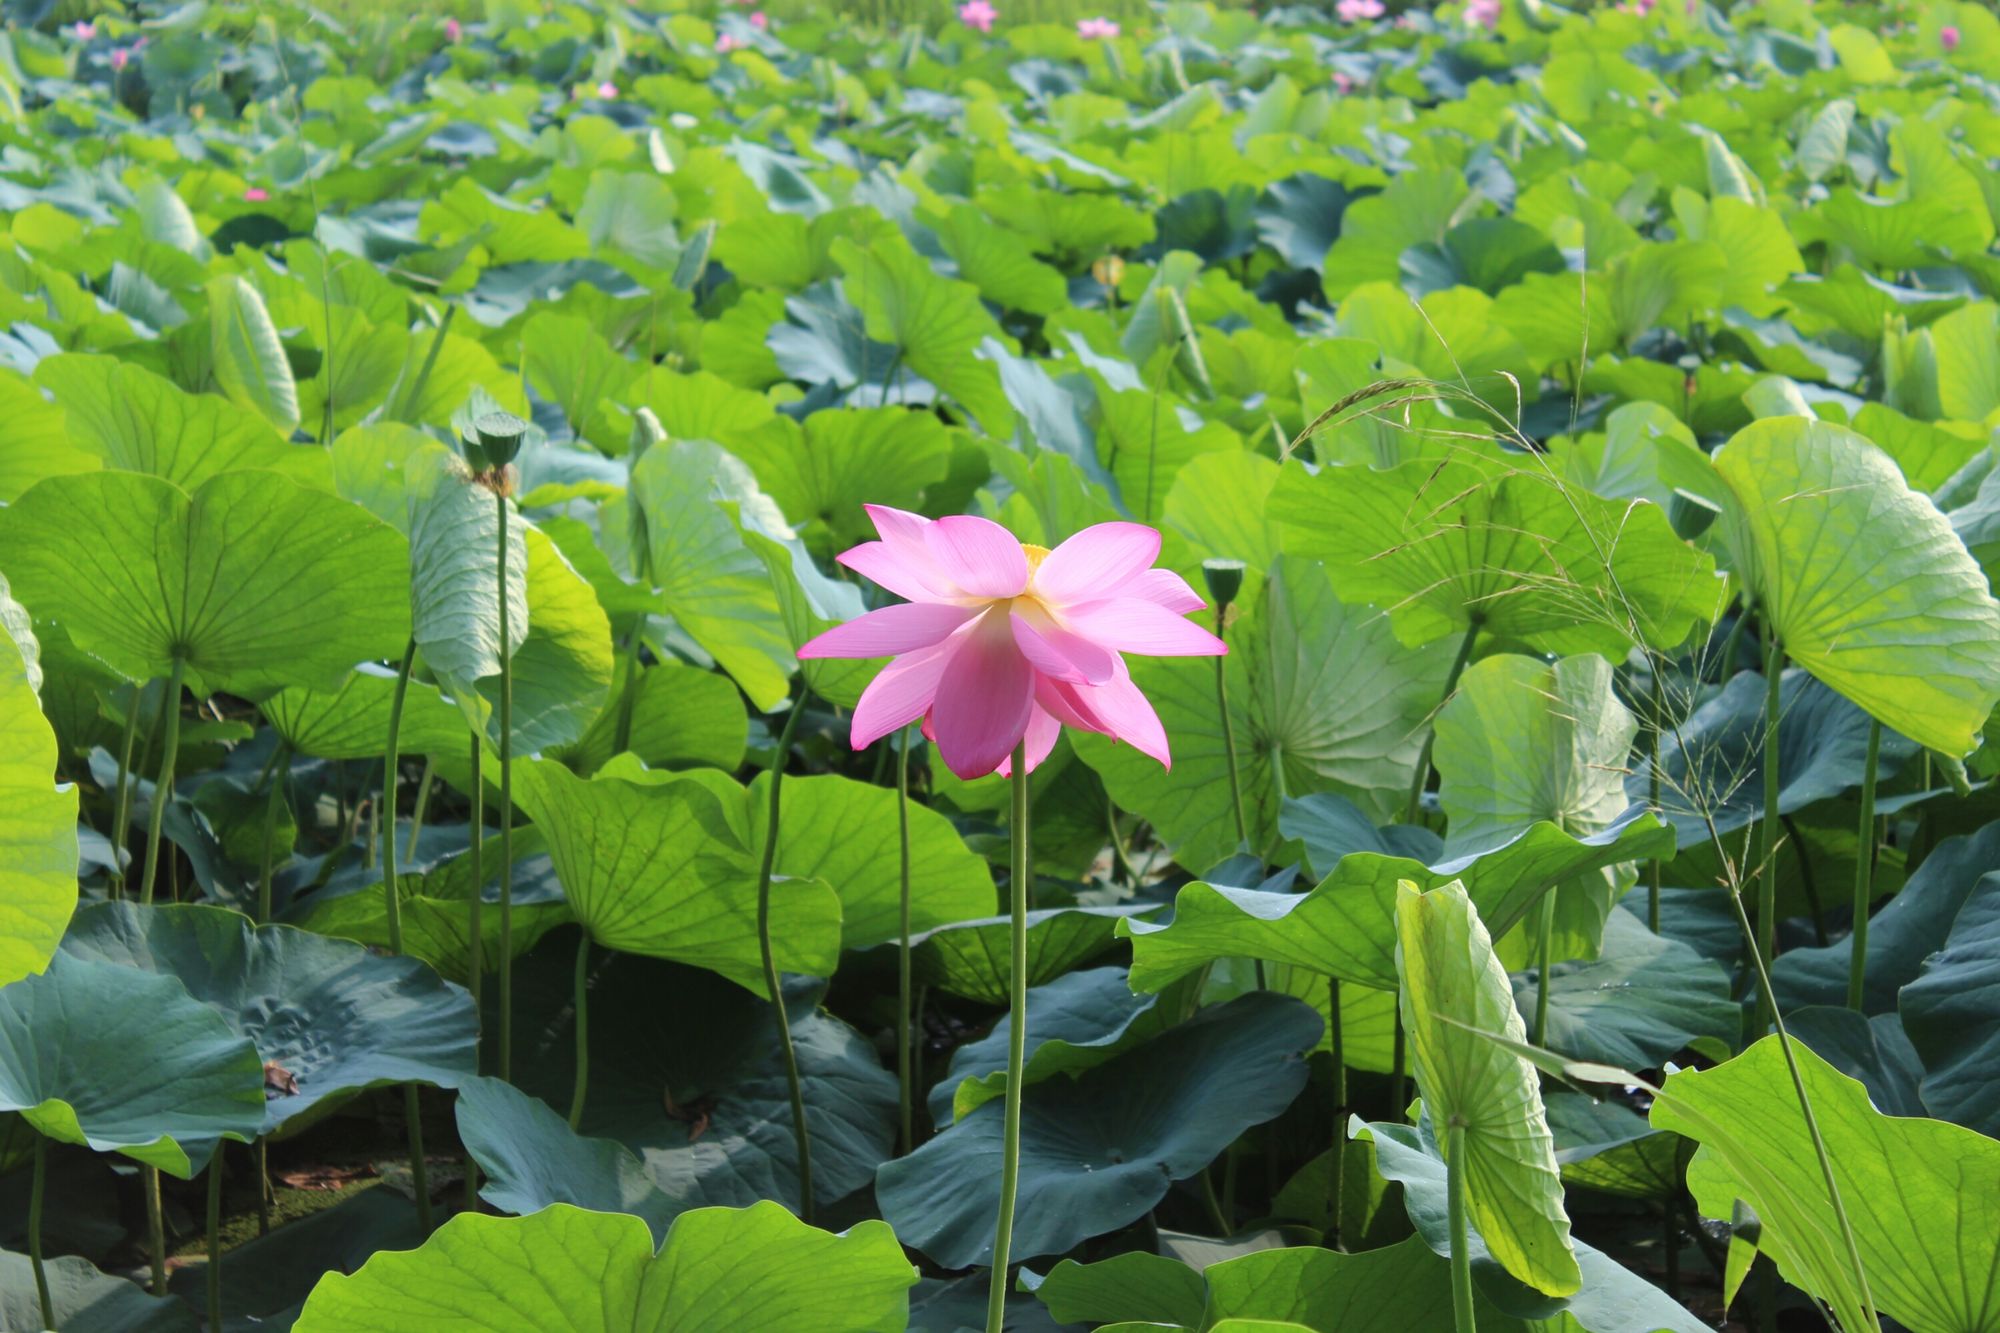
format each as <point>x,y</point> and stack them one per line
<point>263,1186</point>
<point>36,1191</point>
<point>1545,938</point>
<point>392,901</point>
<point>1337,1048</point>
<point>475,965</point>
<point>1767,851</point>
<point>1020,876</point>
<point>582,1027</point>
<point>903,1080</point>
<point>163,791</point>
<point>628,696</point>
<point>1864,872</point>
<point>1653,802</point>
<point>214,1273</point>
<point>801,1136</point>
<point>506,810</point>
<point>1414,807</point>
<point>1461,1250</point>
<point>280,767</point>
<point>156,1226</point>
<point>1229,740</point>
<point>417,810</point>
<point>121,809</point>
<point>1399,1083</point>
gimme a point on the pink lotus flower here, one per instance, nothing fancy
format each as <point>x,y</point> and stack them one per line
<point>1486,13</point>
<point>724,44</point>
<point>978,14</point>
<point>453,30</point>
<point>1001,642</point>
<point>256,194</point>
<point>1097,28</point>
<point>83,30</point>
<point>607,89</point>
<point>120,57</point>
<point>1354,11</point>
<point>1948,35</point>
<point>758,21</point>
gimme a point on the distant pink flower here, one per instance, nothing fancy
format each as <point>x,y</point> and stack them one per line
<point>725,43</point>
<point>1342,84</point>
<point>758,21</point>
<point>83,31</point>
<point>1355,11</point>
<point>256,194</point>
<point>140,45</point>
<point>607,89</point>
<point>978,14</point>
<point>1486,13</point>
<point>1948,35</point>
<point>1638,8</point>
<point>1097,28</point>
<point>1002,643</point>
<point>453,30</point>
<point>120,57</point>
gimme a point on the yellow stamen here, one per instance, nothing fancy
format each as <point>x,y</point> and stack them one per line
<point>1036,554</point>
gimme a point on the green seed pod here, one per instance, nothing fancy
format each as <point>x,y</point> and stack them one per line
<point>1224,579</point>
<point>496,438</point>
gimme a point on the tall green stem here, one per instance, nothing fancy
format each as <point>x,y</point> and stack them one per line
<point>1414,806</point>
<point>1767,851</point>
<point>392,902</point>
<point>417,810</point>
<point>267,854</point>
<point>156,1226</point>
<point>1461,1249</point>
<point>475,942</point>
<point>1020,875</point>
<point>163,792</point>
<point>1337,1047</point>
<point>582,1026</point>
<point>1229,739</point>
<point>628,697</point>
<point>801,1136</point>
<point>1864,872</point>
<point>36,1191</point>
<point>1545,936</point>
<point>214,1274</point>
<point>1399,1082</point>
<point>506,811</point>
<point>903,1080</point>
<point>1653,801</point>
<point>121,808</point>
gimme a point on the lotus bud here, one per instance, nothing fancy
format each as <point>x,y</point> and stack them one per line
<point>1109,271</point>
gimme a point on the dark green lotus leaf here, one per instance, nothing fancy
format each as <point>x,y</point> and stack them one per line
<point>1876,1050</point>
<point>1712,764</point>
<point>267,1278</point>
<point>1135,1286</point>
<point>1952,1015</point>
<point>1081,1019</point>
<point>83,1298</point>
<point>125,1061</point>
<point>565,1269</point>
<point>1344,926</point>
<point>1903,933</point>
<point>1329,826</point>
<point>1156,1114</point>
<point>1385,1290</point>
<point>1608,1146</point>
<point>335,1016</point>
<point>352,720</point>
<point>1642,999</point>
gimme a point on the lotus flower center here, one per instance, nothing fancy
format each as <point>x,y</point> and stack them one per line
<point>1035,554</point>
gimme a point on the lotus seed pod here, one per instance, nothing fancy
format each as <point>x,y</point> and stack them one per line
<point>1224,579</point>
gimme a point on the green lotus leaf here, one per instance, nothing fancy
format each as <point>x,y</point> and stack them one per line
<point>1876,1050</point>
<point>566,1269</point>
<point>1473,542</point>
<point>1609,1147</point>
<point>1952,1015</point>
<point>1915,1190</point>
<point>844,459</point>
<point>1081,1019</point>
<point>38,839</point>
<point>1100,1150</point>
<point>138,422</point>
<point>1322,696</point>
<point>214,577</point>
<point>810,603</point>
<point>1344,927</point>
<point>682,717</point>
<point>1451,981</point>
<point>454,528</point>
<point>249,361</point>
<point>82,1297</point>
<point>336,1017</point>
<point>1638,1003</point>
<point>655,868</point>
<point>571,365</point>
<point>352,720</point>
<point>1135,1285</point>
<point>969,958</point>
<point>1870,589</point>
<point>562,671</point>
<point>126,1061</point>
